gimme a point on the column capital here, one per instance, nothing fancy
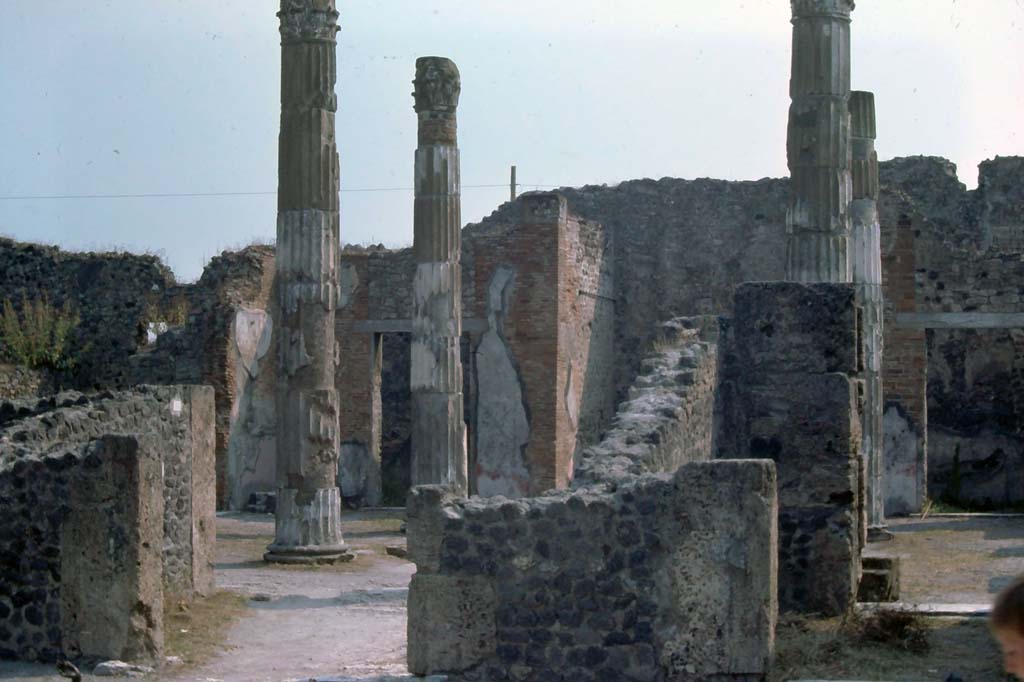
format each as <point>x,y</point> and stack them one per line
<point>437,85</point>
<point>308,21</point>
<point>806,9</point>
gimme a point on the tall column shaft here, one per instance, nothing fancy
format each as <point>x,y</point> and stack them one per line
<point>818,144</point>
<point>438,427</point>
<point>866,261</point>
<point>308,515</point>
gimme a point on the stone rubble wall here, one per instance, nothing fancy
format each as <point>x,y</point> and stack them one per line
<point>214,338</point>
<point>227,342</point>
<point>17,381</point>
<point>790,393</point>
<point>80,551</point>
<point>660,577</point>
<point>109,291</point>
<point>657,565</point>
<point>958,251</point>
<point>668,418</point>
<point>174,424</point>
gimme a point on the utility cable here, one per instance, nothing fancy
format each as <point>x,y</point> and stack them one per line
<point>165,195</point>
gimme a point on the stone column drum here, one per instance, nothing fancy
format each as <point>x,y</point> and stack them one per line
<point>308,517</point>
<point>818,144</point>
<point>438,427</point>
<point>866,262</point>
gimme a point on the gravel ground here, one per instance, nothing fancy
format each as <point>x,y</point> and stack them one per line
<point>955,559</point>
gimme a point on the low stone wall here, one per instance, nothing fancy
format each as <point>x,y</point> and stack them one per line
<point>632,574</point>
<point>174,424</point>
<point>668,418</point>
<point>80,552</point>
<point>790,393</point>
<point>663,577</point>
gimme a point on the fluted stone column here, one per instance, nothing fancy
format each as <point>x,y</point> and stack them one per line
<point>308,517</point>
<point>866,260</point>
<point>818,145</point>
<point>438,429</point>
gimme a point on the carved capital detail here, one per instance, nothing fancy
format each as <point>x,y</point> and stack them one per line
<point>817,8</point>
<point>437,85</point>
<point>308,20</point>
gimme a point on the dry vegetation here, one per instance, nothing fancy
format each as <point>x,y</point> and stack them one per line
<point>886,646</point>
<point>196,631</point>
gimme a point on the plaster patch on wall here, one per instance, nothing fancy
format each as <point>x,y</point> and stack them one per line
<point>251,440</point>
<point>253,330</point>
<point>348,284</point>
<point>353,468</point>
<point>503,428</point>
<point>902,477</point>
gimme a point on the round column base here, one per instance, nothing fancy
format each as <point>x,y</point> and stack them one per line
<point>880,533</point>
<point>337,554</point>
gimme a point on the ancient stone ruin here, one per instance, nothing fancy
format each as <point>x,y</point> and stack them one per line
<point>308,506</point>
<point>632,423</point>
<point>108,506</point>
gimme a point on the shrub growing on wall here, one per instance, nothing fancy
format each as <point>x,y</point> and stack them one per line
<point>39,336</point>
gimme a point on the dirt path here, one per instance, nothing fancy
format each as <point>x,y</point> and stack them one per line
<point>345,620</point>
<point>341,620</point>
<point>956,560</point>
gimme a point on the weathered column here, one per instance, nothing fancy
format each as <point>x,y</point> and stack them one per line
<point>308,516</point>
<point>866,261</point>
<point>438,429</point>
<point>818,145</point>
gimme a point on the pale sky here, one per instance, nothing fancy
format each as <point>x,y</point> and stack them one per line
<point>181,96</point>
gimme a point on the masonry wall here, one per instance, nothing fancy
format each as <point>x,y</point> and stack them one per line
<point>669,417</point>
<point>111,292</point>
<point>631,575</point>
<point>172,424</point>
<point>586,337</point>
<point>790,394</point>
<point>663,577</point>
<point>139,326</point>
<point>80,551</point>
<point>227,342</point>
<point>904,363</point>
<point>17,381</point>
<point>966,249</point>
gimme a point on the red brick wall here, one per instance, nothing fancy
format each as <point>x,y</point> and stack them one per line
<point>905,360</point>
<point>357,374</point>
<point>531,248</point>
<point>585,340</point>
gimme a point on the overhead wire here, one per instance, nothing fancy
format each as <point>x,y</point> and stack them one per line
<point>174,195</point>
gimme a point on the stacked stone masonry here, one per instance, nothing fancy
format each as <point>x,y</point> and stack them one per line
<point>18,381</point>
<point>656,577</point>
<point>669,418</point>
<point>958,319</point>
<point>80,553</point>
<point>658,565</point>
<point>790,392</point>
<point>109,507</point>
<point>175,423</point>
<point>945,251</point>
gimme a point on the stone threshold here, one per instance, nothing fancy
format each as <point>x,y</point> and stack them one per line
<point>928,609</point>
<point>971,515</point>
